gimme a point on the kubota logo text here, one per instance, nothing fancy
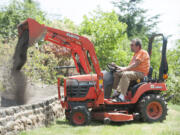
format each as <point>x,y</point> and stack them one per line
<point>73,36</point>
<point>155,87</point>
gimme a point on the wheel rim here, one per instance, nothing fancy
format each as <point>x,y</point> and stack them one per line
<point>78,118</point>
<point>154,110</point>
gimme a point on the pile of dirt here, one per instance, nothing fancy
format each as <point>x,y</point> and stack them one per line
<point>20,54</point>
<point>14,79</point>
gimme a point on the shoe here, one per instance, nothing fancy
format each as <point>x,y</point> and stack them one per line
<point>115,94</point>
<point>117,99</point>
<point>120,98</point>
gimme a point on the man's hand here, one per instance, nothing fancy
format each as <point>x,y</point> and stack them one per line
<point>133,65</point>
<point>121,69</point>
<point>128,68</point>
<point>113,64</point>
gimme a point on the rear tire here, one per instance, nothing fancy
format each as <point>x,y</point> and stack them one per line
<point>153,108</point>
<point>80,116</point>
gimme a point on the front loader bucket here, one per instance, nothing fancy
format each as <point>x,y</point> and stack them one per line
<point>36,31</point>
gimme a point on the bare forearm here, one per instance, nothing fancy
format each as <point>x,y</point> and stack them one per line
<point>131,66</point>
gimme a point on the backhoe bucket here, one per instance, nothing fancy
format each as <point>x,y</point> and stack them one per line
<point>36,31</point>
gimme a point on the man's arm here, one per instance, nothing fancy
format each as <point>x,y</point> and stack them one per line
<point>133,65</point>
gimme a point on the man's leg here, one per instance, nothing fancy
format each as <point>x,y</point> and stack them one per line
<point>117,76</point>
<point>127,76</point>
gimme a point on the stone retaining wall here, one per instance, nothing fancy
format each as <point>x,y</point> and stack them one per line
<point>25,117</point>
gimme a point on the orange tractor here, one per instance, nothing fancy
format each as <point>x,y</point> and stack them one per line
<point>87,96</point>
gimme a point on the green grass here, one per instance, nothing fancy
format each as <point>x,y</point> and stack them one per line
<point>171,126</point>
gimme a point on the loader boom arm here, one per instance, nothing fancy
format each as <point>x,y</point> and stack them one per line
<point>81,48</point>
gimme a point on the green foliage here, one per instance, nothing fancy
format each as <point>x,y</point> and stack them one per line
<point>108,35</point>
<point>132,13</point>
<point>6,51</point>
<point>174,73</point>
<point>64,24</point>
<point>16,12</point>
<point>156,56</point>
<point>40,66</point>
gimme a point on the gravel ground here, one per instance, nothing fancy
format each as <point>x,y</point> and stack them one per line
<point>38,92</point>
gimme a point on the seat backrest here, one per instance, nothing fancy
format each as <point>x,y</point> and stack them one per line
<point>150,72</point>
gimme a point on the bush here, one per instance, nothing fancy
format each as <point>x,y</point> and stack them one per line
<point>16,12</point>
<point>109,37</point>
<point>42,65</point>
<point>173,84</point>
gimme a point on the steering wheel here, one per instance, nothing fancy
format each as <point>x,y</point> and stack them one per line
<point>111,67</point>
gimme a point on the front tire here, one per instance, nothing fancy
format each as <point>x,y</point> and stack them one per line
<point>80,116</point>
<point>67,115</point>
<point>153,108</point>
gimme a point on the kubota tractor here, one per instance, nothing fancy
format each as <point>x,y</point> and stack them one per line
<point>87,96</point>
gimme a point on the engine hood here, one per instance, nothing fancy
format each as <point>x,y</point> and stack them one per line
<point>87,77</point>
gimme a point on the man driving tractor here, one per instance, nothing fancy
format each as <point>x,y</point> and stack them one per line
<point>137,69</point>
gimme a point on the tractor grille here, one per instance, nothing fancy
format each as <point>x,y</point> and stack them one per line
<point>77,88</point>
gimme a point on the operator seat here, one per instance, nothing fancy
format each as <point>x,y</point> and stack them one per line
<point>150,73</point>
<point>134,85</point>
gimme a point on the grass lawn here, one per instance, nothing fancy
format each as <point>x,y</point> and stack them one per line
<point>171,126</point>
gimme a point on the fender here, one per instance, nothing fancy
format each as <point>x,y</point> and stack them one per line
<point>141,90</point>
<point>148,87</point>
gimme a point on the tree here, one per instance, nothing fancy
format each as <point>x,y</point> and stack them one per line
<point>108,36</point>
<point>173,57</point>
<point>16,12</point>
<point>138,24</point>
